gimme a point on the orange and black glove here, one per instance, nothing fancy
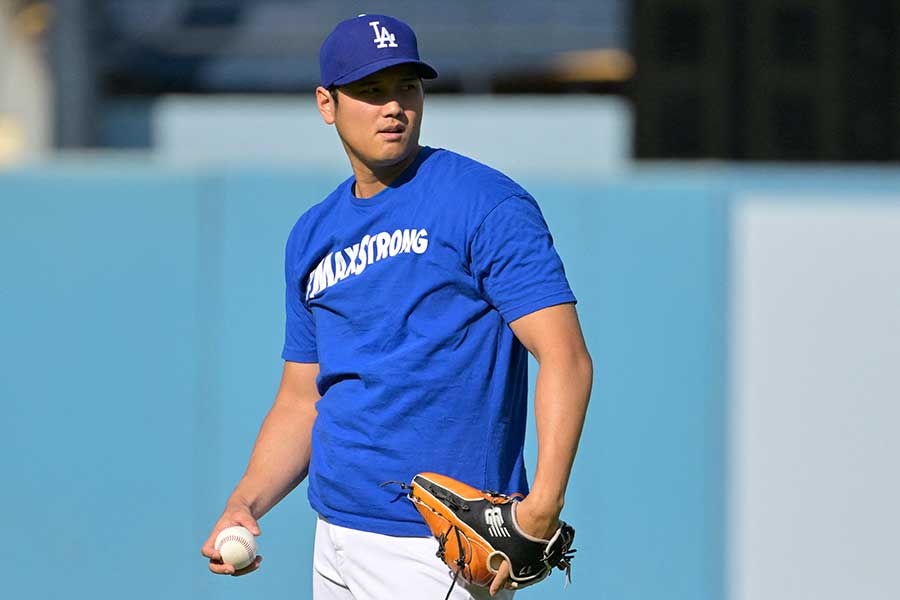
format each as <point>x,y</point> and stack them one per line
<point>477,530</point>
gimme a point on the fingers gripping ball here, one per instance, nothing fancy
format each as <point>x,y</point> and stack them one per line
<point>237,546</point>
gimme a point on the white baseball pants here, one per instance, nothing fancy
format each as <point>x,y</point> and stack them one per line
<point>359,565</point>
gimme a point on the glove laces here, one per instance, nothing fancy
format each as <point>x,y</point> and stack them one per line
<point>461,557</point>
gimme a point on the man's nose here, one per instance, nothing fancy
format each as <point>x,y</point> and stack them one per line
<point>392,108</point>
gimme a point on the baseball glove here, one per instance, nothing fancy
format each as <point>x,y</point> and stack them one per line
<point>476,530</point>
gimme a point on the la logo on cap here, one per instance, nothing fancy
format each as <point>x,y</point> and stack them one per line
<point>383,38</point>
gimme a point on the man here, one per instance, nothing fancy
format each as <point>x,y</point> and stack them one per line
<point>414,292</point>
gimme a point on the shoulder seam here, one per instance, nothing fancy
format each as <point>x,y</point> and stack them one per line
<point>493,208</point>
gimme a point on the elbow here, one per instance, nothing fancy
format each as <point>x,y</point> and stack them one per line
<point>576,364</point>
<point>585,369</point>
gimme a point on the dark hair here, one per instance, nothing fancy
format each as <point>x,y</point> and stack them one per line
<point>333,89</point>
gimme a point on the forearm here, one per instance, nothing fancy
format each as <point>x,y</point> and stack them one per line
<point>562,393</point>
<point>280,458</point>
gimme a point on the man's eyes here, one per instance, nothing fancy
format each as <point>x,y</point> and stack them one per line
<point>373,90</point>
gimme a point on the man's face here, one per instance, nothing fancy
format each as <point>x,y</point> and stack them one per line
<point>378,117</point>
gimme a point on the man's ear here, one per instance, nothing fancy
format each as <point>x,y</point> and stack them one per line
<point>326,105</point>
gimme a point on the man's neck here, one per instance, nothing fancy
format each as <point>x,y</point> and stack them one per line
<point>372,180</point>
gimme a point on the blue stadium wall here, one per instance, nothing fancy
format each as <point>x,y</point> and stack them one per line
<point>142,324</point>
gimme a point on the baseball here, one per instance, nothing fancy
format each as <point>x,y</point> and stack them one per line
<point>237,546</point>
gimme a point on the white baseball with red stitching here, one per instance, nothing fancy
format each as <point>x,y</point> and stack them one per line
<point>237,546</point>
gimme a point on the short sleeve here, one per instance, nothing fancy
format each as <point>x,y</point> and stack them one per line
<point>513,260</point>
<point>300,328</point>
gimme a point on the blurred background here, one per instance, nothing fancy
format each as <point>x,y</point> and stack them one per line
<point>721,180</point>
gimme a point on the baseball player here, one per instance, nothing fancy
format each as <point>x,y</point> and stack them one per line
<point>414,293</point>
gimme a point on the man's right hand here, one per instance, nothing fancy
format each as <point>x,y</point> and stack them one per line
<point>235,514</point>
<point>279,462</point>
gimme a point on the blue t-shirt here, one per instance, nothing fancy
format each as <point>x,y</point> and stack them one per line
<point>405,299</point>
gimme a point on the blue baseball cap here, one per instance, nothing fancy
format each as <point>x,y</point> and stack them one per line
<point>365,44</point>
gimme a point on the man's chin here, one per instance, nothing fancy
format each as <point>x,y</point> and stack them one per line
<point>394,156</point>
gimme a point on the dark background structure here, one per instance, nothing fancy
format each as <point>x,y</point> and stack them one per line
<point>795,80</point>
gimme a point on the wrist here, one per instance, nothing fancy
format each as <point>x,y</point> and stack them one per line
<point>239,502</point>
<point>546,504</point>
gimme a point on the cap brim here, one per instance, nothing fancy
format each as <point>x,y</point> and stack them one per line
<point>425,70</point>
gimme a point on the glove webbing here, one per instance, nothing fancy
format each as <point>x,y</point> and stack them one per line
<point>558,553</point>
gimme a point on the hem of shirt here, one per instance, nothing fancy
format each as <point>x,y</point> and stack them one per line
<point>393,528</point>
<point>300,356</point>
<point>519,311</point>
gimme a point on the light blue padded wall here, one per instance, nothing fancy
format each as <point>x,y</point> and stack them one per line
<point>98,371</point>
<point>646,262</point>
<point>142,323</point>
